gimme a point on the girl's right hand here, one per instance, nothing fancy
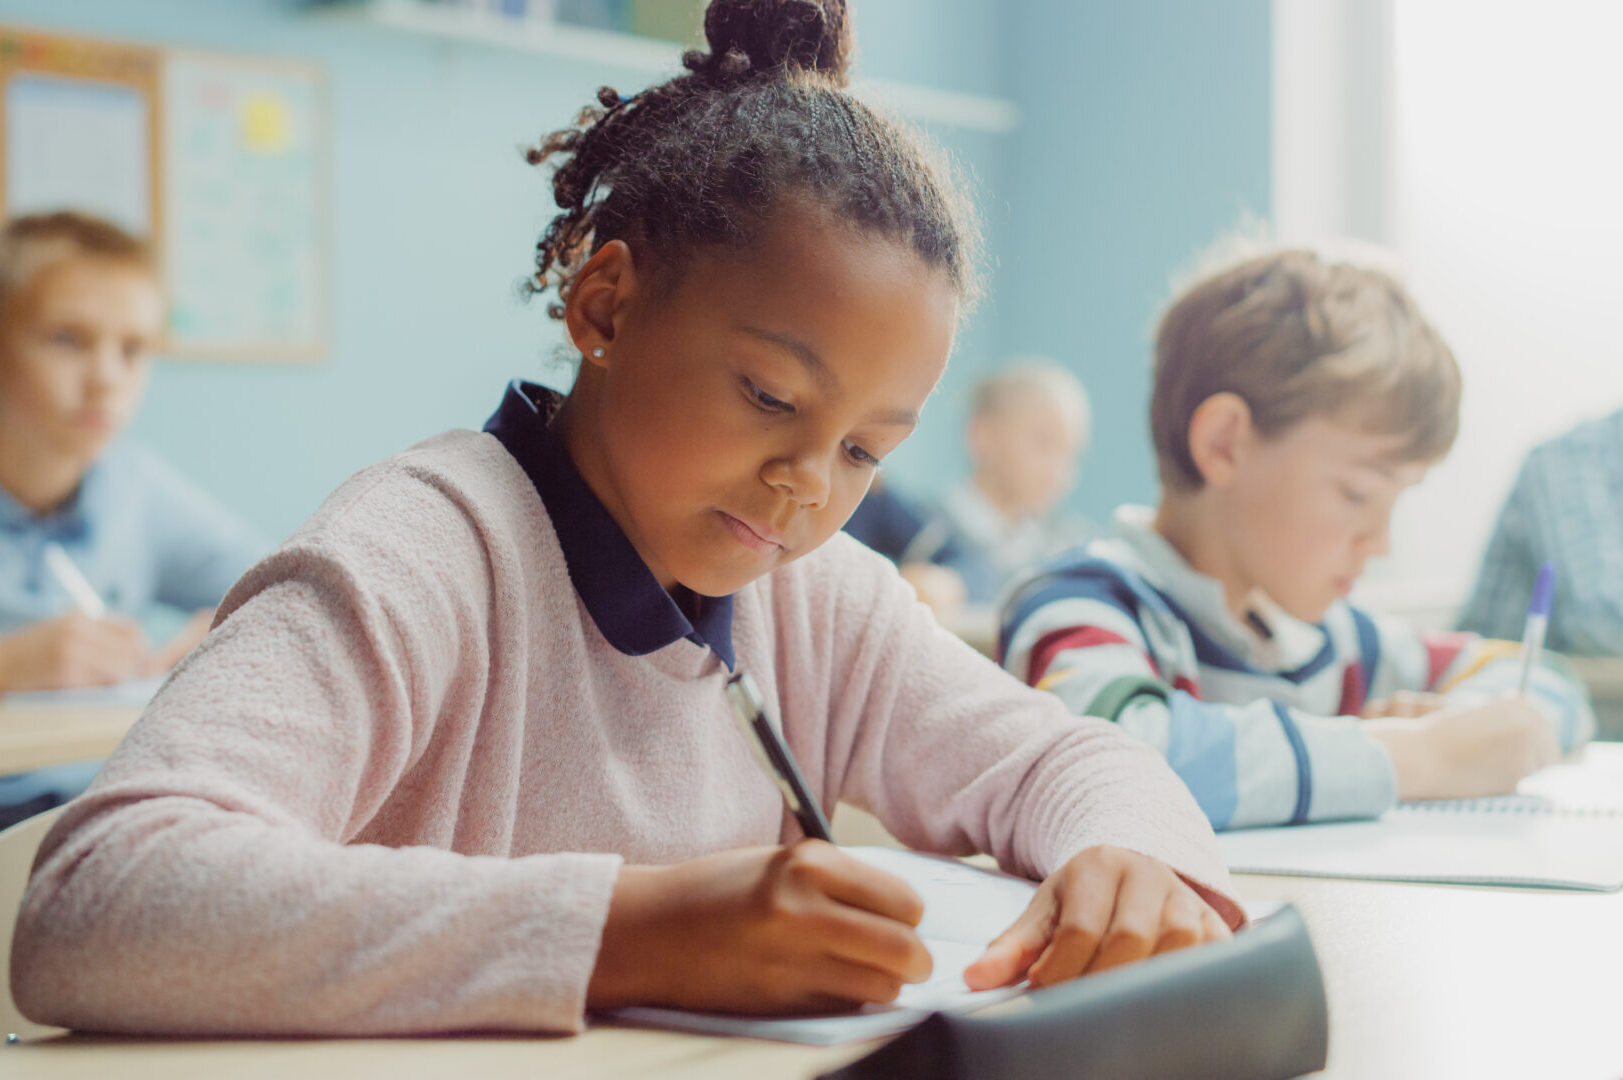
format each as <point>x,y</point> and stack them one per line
<point>803,928</point>
<point>73,651</point>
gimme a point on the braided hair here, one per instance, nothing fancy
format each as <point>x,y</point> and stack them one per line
<point>760,118</point>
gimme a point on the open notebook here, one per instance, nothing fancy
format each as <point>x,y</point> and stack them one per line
<point>964,909</point>
<point>1563,830</point>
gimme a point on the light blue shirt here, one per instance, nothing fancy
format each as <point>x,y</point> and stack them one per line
<point>144,536</point>
<point>147,540</point>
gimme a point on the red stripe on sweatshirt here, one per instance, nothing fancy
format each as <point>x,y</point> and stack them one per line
<point>1353,691</point>
<point>1441,650</point>
<point>1055,642</point>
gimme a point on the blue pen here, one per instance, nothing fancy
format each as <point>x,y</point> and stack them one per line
<point>1538,620</point>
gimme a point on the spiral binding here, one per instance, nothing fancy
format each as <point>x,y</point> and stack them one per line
<point>1522,805</point>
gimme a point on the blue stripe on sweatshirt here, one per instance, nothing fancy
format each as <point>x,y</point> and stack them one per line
<point>1210,654</point>
<point>1200,749</point>
<point>1089,579</point>
<point>1304,767</point>
<point>1369,649</point>
<point>1106,582</point>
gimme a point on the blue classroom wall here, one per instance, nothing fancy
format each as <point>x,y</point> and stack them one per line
<point>1146,133</point>
<point>954,45</point>
<point>434,217</point>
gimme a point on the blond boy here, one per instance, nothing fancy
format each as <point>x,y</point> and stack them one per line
<point>1294,400</point>
<point>80,311</point>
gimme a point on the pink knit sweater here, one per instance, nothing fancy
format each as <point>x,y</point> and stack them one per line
<point>391,791</point>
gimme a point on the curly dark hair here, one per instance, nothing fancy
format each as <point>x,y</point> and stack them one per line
<point>763,116</point>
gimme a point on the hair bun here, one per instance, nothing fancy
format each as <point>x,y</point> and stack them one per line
<point>769,37</point>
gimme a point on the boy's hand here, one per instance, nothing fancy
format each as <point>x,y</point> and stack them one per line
<point>73,651</point>
<point>1105,907</point>
<point>1468,750</point>
<point>764,930</point>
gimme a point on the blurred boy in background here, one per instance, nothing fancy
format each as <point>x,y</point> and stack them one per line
<point>1028,429</point>
<point>1028,432</point>
<point>1295,399</point>
<point>80,310</point>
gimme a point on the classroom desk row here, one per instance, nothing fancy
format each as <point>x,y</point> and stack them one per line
<point>1423,981</point>
<point>33,736</point>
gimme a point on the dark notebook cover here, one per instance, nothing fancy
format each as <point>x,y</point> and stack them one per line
<point>1248,1009</point>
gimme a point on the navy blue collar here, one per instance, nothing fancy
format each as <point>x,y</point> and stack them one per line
<point>632,611</point>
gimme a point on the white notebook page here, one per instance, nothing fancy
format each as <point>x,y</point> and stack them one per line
<point>964,909</point>
<point>1562,829</point>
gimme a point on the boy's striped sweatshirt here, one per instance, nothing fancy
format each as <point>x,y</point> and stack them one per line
<point>1259,718</point>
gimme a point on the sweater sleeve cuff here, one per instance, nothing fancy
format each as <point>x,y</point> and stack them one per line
<point>556,936</point>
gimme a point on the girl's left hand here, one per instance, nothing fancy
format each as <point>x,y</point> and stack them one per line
<point>1106,907</point>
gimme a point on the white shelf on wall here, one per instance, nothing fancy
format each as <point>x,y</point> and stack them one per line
<point>650,56</point>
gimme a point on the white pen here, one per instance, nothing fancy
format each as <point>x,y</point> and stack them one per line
<point>68,575</point>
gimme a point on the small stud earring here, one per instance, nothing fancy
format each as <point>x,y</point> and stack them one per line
<point>598,352</point>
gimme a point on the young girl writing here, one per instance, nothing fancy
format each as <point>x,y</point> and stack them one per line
<point>458,754</point>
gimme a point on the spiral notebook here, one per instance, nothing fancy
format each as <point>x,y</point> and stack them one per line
<point>1562,830</point>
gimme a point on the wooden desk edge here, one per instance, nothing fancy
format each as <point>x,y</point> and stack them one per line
<point>34,736</point>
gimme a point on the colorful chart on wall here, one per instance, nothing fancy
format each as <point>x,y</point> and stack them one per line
<point>243,158</point>
<point>77,118</point>
<point>220,160</point>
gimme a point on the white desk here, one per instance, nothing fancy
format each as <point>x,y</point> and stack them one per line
<point>1423,981</point>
